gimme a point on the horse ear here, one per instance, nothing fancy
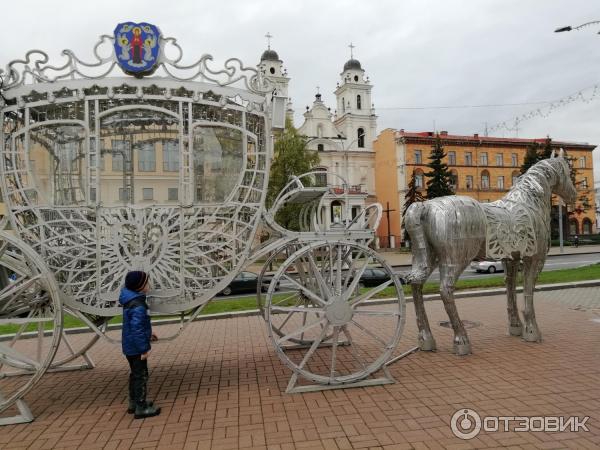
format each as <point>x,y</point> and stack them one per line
<point>561,153</point>
<point>553,154</point>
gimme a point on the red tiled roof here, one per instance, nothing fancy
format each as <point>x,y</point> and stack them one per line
<point>486,139</point>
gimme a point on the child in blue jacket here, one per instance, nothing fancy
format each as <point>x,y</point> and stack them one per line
<point>137,334</point>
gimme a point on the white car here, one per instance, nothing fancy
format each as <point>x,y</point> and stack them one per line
<point>487,265</point>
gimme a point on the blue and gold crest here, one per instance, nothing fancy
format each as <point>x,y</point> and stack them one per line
<point>137,47</point>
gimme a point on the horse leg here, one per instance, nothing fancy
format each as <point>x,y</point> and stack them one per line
<point>532,266</point>
<point>426,340</point>
<point>449,273</point>
<point>511,269</point>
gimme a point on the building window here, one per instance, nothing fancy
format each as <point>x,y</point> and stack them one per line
<point>515,177</point>
<point>499,160</point>
<point>320,131</point>
<point>361,138</point>
<point>582,162</point>
<point>419,179</point>
<point>500,183</point>
<point>343,105</point>
<point>148,193</point>
<point>483,159</point>
<point>584,183</point>
<point>336,212</point>
<point>358,102</point>
<point>173,194</point>
<point>485,180</point>
<point>469,182</point>
<point>124,194</point>
<point>454,180</point>
<point>147,157</point>
<point>468,159</point>
<point>514,160</point>
<point>321,177</point>
<point>586,226</point>
<point>573,227</point>
<point>93,194</point>
<point>418,159</point>
<point>452,158</point>
<point>170,156</point>
<point>320,147</point>
<point>355,212</point>
<point>121,150</point>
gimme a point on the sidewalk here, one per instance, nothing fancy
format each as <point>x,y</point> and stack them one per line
<point>221,386</point>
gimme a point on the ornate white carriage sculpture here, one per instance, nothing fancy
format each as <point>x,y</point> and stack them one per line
<point>167,173</point>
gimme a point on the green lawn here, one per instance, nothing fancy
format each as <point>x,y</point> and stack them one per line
<point>246,303</point>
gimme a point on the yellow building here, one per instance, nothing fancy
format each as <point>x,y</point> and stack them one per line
<point>484,168</point>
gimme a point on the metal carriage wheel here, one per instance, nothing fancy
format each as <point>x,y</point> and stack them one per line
<point>327,330</point>
<point>30,319</point>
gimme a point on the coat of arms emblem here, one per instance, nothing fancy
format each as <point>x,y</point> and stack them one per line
<point>137,47</point>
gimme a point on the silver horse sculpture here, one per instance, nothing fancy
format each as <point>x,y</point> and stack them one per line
<point>448,232</point>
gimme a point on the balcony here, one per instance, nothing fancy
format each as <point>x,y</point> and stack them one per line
<point>352,189</point>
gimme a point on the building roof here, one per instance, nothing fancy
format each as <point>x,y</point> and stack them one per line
<point>353,64</point>
<point>269,55</point>
<point>488,140</point>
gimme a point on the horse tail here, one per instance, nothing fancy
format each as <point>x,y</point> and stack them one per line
<point>419,246</point>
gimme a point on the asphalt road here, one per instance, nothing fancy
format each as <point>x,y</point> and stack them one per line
<point>552,263</point>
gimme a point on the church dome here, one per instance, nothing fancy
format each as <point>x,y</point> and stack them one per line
<point>352,64</point>
<point>269,55</point>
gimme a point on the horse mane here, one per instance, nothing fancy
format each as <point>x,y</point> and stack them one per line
<point>539,178</point>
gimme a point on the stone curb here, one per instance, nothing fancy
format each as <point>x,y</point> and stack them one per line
<point>429,297</point>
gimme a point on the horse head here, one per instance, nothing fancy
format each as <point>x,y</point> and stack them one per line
<point>563,185</point>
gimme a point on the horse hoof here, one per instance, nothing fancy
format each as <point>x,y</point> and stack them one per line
<point>515,330</point>
<point>427,345</point>
<point>532,336</point>
<point>462,346</point>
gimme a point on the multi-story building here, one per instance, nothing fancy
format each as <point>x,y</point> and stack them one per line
<point>483,168</point>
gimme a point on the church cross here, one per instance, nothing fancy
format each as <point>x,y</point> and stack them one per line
<point>352,47</point>
<point>268,36</point>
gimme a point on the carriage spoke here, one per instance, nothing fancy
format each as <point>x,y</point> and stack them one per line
<point>336,332</point>
<point>356,278</point>
<point>352,345</point>
<point>297,309</point>
<point>305,290</point>
<point>367,295</point>
<point>370,333</point>
<point>14,289</point>
<point>370,312</point>
<point>300,330</point>
<point>285,299</point>
<point>25,320</point>
<point>338,274</point>
<point>11,353</point>
<point>313,347</point>
<point>325,292</point>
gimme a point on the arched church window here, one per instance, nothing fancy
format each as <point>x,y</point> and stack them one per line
<point>320,147</point>
<point>320,131</point>
<point>355,77</point>
<point>272,70</point>
<point>358,102</point>
<point>586,226</point>
<point>361,138</point>
<point>343,105</point>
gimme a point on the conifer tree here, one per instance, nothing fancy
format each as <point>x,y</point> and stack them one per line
<point>531,156</point>
<point>439,178</point>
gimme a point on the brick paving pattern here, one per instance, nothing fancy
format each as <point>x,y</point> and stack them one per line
<point>221,386</point>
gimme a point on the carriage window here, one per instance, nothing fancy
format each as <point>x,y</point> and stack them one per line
<point>57,163</point>
<point>218,159</point>
<point>133,140</point>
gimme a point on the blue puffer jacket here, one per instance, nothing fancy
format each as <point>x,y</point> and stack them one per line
<point>137,329</point>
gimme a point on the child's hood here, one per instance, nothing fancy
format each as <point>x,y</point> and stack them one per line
<point>128,295</point>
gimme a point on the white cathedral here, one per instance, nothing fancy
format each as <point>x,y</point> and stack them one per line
<point>343,139</point>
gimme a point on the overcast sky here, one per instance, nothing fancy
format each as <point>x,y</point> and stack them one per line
<point>418,54</point>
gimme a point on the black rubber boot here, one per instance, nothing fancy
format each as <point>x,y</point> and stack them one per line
<point>141,412</point>
<point>131,407</point>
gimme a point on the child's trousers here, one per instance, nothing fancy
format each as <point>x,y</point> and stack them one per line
<point>138,379</point>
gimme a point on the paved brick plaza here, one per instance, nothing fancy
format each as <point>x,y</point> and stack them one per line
<point>221,385</point>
